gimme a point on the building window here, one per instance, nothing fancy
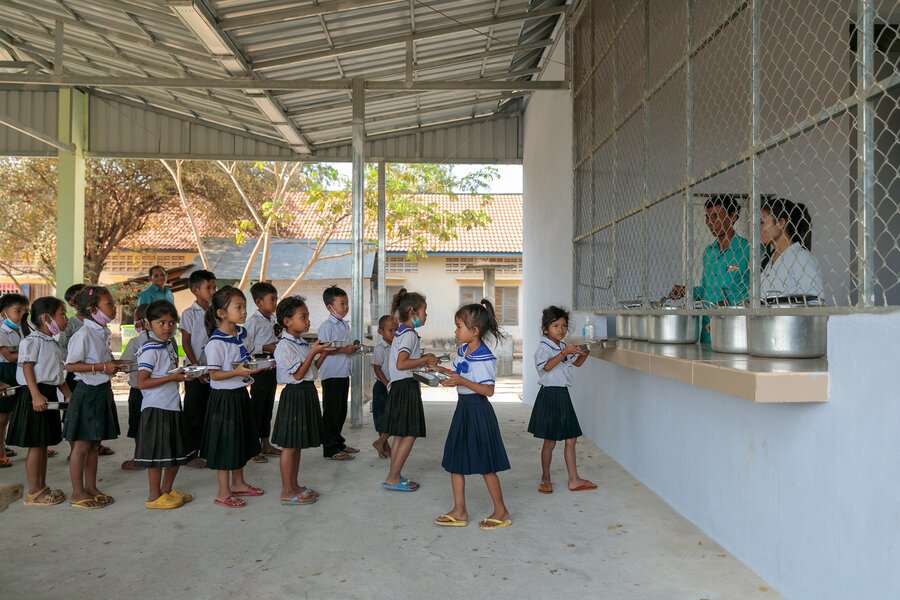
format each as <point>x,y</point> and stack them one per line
<point>506,301</point>
<point>400,264</point>
<point>458,264</point>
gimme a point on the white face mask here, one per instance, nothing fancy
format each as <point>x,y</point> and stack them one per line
<point>100,317</point>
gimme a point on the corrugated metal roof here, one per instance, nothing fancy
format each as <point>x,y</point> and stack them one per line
<point>145,38</point>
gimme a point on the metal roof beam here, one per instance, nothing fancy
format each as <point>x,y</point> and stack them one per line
<point>277,84</point>
<point>292,59</point>
<point>290,14</point>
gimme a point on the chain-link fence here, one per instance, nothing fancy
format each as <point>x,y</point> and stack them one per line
<point>726,150</point>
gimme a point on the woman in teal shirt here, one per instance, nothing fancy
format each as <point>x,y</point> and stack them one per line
<point>157,290</point>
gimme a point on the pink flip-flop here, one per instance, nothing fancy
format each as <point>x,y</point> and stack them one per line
<point>250,491</point>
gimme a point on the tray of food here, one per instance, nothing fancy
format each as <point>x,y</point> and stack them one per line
<point>191,371</point>
<point>12,349</point>
<point>309,336</point>
<point>57,405</point>
<point>126,367</point>
<point>8,392</point>
<point>255,363</point>
<point>432,378</point>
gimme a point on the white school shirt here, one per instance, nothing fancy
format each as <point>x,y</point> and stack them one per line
<point>478,367</point>
<point>260,332</point>
<point>90,345</point>
<point>130,352</point>
<point>796,272</point>
<point>561,374</point>
<point>43,351</point>
<point>193,321</point>
<point>290,353</point>
<point>222,351</point>
<point>380,356</point>
<point>405,340</point>
<point>9,337</point>
<point>334,365</point>
<point>159,358</point>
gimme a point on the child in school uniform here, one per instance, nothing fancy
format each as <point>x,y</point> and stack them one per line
<point>260,328</point>
<point>334,372</point>
<point>474,445</point>
<point>40,373</point>
<point>162,441</point>
<point>202,284</point>
<point>134,393</point>
<point>553,417</point>
<point>298,424</point>
<point>404,415</point>
<point>92,411</point>
<point>387,325</point>
<point>13,328</point>
<point>229,433</point>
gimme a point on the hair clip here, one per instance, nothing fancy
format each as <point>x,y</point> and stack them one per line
<point>90,291</point>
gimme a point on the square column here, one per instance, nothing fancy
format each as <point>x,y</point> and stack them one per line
<point>73,122</point>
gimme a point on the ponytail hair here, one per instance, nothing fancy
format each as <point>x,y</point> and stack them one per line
<point>8,300</point>
<point>482,317</point>
<point>46,305</point>
<point>285,310</point>
<point>405,302</point>
<point>220,301</point>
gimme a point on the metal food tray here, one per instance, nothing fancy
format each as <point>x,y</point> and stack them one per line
<point>57,405</point>
<point>9,391</point>
<point>127,368</point>
<point>431,378</point>
<point>191,371</point>
<point>13,349</point>
<point>256,363</point>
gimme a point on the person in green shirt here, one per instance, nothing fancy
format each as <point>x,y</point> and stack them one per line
<point>726,261</point>
<point>157,290</point>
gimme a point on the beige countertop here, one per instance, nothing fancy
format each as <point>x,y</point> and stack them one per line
<point>768,380</point>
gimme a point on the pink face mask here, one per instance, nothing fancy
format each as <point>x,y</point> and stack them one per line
<point>51,326</point>
<point>100,317</point>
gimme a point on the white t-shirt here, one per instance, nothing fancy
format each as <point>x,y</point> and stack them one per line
<point>222,351</point>
<point>561,374</point>
<point>478,367</point>
<point>130,352</point>
<point>9,337</point>
<point>796,272</point>
<point>289,355</point>
<point>335,365</point>
<point>159,358</point>
<point>192,321</point>
<point>381,355</point>
<point>43,351</point>
<point>260,332</point>
<point>405,340</point>
<point>90,345</point>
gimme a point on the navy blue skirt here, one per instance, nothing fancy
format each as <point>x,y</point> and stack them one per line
<point>474,445</point>
<point>553,416</point>
<point>379,399</point>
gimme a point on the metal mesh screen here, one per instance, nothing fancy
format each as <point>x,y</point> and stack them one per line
<point>789,110</point>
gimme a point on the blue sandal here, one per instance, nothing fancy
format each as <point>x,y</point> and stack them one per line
<point>404,485</point>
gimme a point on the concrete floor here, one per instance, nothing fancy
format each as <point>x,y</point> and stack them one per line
<point>360,541</point>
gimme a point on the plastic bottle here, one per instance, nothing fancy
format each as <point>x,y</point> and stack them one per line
<point>587,330</point>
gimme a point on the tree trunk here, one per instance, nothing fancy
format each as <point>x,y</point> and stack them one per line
<point>176,176</point>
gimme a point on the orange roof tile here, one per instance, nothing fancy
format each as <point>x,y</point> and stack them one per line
<point>172,231</point>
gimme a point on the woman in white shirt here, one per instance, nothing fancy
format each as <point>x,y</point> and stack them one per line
<point>791,269</point>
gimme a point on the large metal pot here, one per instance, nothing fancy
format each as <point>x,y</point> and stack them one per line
<point>728,333</point>
<point>788,336</point>
<point>623,326</point>
<point>673,329</point>
<point>639,327</point>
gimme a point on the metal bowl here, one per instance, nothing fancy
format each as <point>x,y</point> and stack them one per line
<point>639,327</point>
<point>673,329</point>
<point>787,336</point>
<point>728,333</point>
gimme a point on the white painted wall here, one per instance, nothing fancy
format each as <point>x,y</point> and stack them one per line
<point>805,495</point>
<point>547,212</point>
